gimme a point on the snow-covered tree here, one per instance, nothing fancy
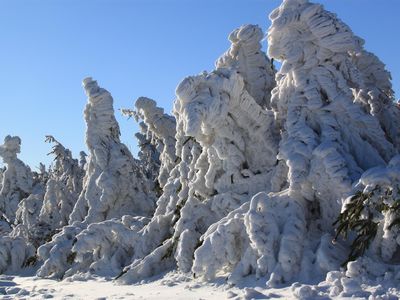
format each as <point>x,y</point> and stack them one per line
<point>63,187</point>
<point>21,197</point>
<point>329,107</point>
<point>114,184</point>
<point>253,170</point>
<point>160,130</point>
<point>148,155</point>
<point>156,140</point>
<point>82,160</point>
<point>17,182</point>
<point>225,153</point>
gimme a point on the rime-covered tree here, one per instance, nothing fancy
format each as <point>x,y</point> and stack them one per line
<point>226,145</point>
<point>114,184</point>
<point>160,130</point>
<point>17,179</point>
<point>63,187</point>
<point>254,169</point>
<point>329,106</point>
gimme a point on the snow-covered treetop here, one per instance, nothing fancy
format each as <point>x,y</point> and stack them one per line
<point>246,57</point>
<point>323,84</point>
<point>113,185</point>
<point>17,180</point>
<point>161,130</point>
<point>10,148</point>
<point>64,162</point>
<point>99,115</point>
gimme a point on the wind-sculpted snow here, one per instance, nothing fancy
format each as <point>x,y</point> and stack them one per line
<point>223,153</point>
<point>63,187</point>
<point>56,255</point>
<point>247,58</point>
<point>161,130</point>
<point>227,146</point>
<point>262,237</point>
<point>114,186</point>
<point>316,106</point>
<point>14,251</point>
<point>29,210</point>
<point>374,91</point>
<point>330,136</point>
<point>287,176</point>
<point>17,180</point>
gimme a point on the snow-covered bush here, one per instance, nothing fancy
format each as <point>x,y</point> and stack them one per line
<point>14,253</point>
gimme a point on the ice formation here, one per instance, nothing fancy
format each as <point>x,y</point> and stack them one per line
<point>254,173</point>
<point>247,58</point>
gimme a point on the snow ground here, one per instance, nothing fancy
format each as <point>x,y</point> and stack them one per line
<point>172,286</point>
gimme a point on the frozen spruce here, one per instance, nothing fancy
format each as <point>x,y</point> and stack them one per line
<point>114,186</point>
<point>226,143</point>
<point>160,130</point>
<point>42,214</point>
<point>19,188</point>
<point>63,187</point>
<point>17,179</point>
<point>225,152</point>
<point>286,176</point>
<point>332,104</point>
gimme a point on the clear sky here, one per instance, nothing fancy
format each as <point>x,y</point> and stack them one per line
<point>133,48</point>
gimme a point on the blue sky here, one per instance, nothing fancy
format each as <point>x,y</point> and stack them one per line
<point>132,48</point>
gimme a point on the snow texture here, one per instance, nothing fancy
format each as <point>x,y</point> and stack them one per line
<point>114,186</point>
<point>63,187</point>
<point>17,179</point>
<point>331,132</point>
<point>250,173</point>
<point>226,144</point>
<point>160,130</point>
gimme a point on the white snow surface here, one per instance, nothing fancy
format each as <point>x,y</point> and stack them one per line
<point>176,286</point>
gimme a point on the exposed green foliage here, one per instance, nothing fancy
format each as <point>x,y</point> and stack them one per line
<point>31,261</point>
<point>71,257</point>
<point>362,215</point>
